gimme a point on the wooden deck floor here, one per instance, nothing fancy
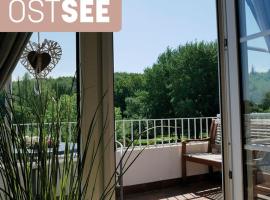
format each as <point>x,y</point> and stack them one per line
<point>200,190</point>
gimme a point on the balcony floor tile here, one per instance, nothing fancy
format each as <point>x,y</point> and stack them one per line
<point>201,190</point>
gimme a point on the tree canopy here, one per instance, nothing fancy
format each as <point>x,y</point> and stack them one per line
<point>61,89</point>
<point>183,82</point>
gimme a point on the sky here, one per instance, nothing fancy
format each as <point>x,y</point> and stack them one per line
<point>67,64</point>
<point>148,28</point>
<point>258,60</point>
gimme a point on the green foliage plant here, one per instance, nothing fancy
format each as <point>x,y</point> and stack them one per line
<point>42,173</point>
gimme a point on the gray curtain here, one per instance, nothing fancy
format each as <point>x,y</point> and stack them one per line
<point>11,47</point>
<point>261,12</point>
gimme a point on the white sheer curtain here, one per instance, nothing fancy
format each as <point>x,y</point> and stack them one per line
<point>11,47</point>
<point>261,12</point>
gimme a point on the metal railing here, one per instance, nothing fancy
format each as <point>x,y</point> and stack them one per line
<point>67,130</point>
<point>140,132</point>
<point>154,132</point>
<point>119,174</point>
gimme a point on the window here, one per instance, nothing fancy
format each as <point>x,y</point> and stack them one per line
<point>60,87</point>
<point>255,67</point>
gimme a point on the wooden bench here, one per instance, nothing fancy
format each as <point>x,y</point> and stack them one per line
<point>212,157</point>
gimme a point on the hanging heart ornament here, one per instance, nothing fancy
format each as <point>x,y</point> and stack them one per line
<point>40,59</point>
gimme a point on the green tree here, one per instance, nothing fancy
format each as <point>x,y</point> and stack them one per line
<point>194,80</point>
<point>125,85</point>
<point>61,89</point>
<point>117,113</point>
<point>136,107</point>
<point>158,83</point>
<point>182,83</point>
<point>62,85</point>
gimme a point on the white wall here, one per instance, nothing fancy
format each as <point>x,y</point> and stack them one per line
<point>161,163</point>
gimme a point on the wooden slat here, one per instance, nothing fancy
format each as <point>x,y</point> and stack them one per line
<point>206,161</point>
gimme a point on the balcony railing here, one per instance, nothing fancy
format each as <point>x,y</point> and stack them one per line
<point>67,130</point>
<point>140,132</point>
<point>156,132</point>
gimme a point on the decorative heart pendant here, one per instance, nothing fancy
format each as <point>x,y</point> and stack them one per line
<point>40,59</point>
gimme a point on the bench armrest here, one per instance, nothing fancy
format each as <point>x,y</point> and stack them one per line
<point>184,143</point>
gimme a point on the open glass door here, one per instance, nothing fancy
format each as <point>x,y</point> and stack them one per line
<point>254,29</point>
<point>244,38</point>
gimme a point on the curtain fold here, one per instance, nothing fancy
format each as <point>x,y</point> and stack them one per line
<point>260,11</point>
<point>11,47</point>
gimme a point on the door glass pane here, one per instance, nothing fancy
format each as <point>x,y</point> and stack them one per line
<point>255,70</point>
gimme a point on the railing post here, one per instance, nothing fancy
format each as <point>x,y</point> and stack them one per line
<point>195,131</point>
<point>132,137</point>
<point>120,175</point>
<point>140,133</point>
<point>175,130</point>
<point>147,133</point>
<point>169,130</point>
<point>201,128</point>
<point>155,132</point>
<point>188,128</point>
<point>182,127</point>
<point>115,131</point>
<point>206,119</point>
<point>124,134</point>
<point>161,131</point>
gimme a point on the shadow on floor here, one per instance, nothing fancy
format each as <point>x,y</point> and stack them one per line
<point>200,190</point>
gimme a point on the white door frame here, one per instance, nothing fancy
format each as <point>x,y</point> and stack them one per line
<point>96,78</point>
<point>230,100</point>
